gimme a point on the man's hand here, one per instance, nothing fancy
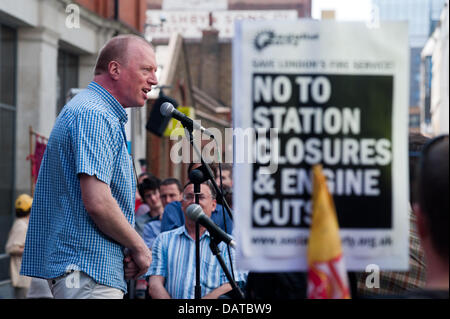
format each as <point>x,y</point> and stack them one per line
<point>109,218</point>
<point>137,263</point>
<point>129,267</point>
<point>216,293</point>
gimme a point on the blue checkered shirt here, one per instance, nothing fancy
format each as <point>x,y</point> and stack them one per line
<point>173,255</point>
<point>88,137</point>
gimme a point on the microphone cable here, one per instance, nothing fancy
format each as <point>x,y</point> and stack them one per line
<point>223,209</point>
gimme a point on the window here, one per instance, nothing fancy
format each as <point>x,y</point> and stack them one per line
<point>428,77</point>
<point>414,120</point>
<point>67,76</point>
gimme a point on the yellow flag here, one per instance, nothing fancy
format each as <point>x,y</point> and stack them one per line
<point>327,276</point>
<point>175,128</point>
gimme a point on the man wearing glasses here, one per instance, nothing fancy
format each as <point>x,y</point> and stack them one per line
<point>172,272</point>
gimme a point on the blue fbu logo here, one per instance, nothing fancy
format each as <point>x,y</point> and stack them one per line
<point>268,37</point>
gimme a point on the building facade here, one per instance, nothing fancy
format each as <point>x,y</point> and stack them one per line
<point>206,65</point>
<point>434,89</point>
<point>422,17</point>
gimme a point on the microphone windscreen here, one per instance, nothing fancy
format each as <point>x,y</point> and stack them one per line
<point>194,211</point>
<point>166,109</point>
<point>197,176</point>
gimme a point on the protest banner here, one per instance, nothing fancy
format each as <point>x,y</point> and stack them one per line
<point>331,93</point>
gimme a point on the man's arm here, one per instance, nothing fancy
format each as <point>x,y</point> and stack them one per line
<point>216,293</point>
<point>156,288</point>
<point>107,215</point>
<point>16,240</point>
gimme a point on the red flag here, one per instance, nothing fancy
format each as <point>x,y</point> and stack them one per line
<point>38,155</point>
<point>36,158</point>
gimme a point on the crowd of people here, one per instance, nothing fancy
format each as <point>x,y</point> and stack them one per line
<point>124,235</point>
<point>161,208</point>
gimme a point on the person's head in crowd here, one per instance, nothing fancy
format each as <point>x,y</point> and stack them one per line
<point>126,67</point>
<point>170,191</point>
<point>149,191</point>
<point>145,175</point>
<point>141,177</point>
<point>23,205</point>
<point>416,142</point>
<point>207,200</point>
<point>432,209</point>
<point>228,194</point>
<point>227,175</point>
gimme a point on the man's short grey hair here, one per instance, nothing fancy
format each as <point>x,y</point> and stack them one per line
<point>116,49</point>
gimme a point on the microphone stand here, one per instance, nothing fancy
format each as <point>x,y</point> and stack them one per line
<point>206,170</point>
<point>216,252</point>
<point>198,287</point>
<point>189,128</point>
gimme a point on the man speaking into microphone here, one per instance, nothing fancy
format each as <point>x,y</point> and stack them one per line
<point>172,272</point>
<point>81,236</point>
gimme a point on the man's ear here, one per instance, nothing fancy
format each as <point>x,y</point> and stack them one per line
<point>114,70</point>
<point>421,221</point>
<point>214,205</point>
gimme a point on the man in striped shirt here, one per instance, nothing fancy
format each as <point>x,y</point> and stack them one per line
<point>81,235</point>
<point>172,272</point>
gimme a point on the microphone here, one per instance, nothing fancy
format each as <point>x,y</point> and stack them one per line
<point>195,213</point>
<point>167,109</point>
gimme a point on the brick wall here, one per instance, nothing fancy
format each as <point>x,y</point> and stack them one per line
<point>158,149</point>
<point>210,64</point>
<point>302,6</point>
<point>223,81</point>
<point>225,73</point>
<point>104,8</point>
<point>131,12</point>
<point>210,67</point>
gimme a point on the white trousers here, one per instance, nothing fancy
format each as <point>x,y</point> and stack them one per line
<point>78,285</point>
